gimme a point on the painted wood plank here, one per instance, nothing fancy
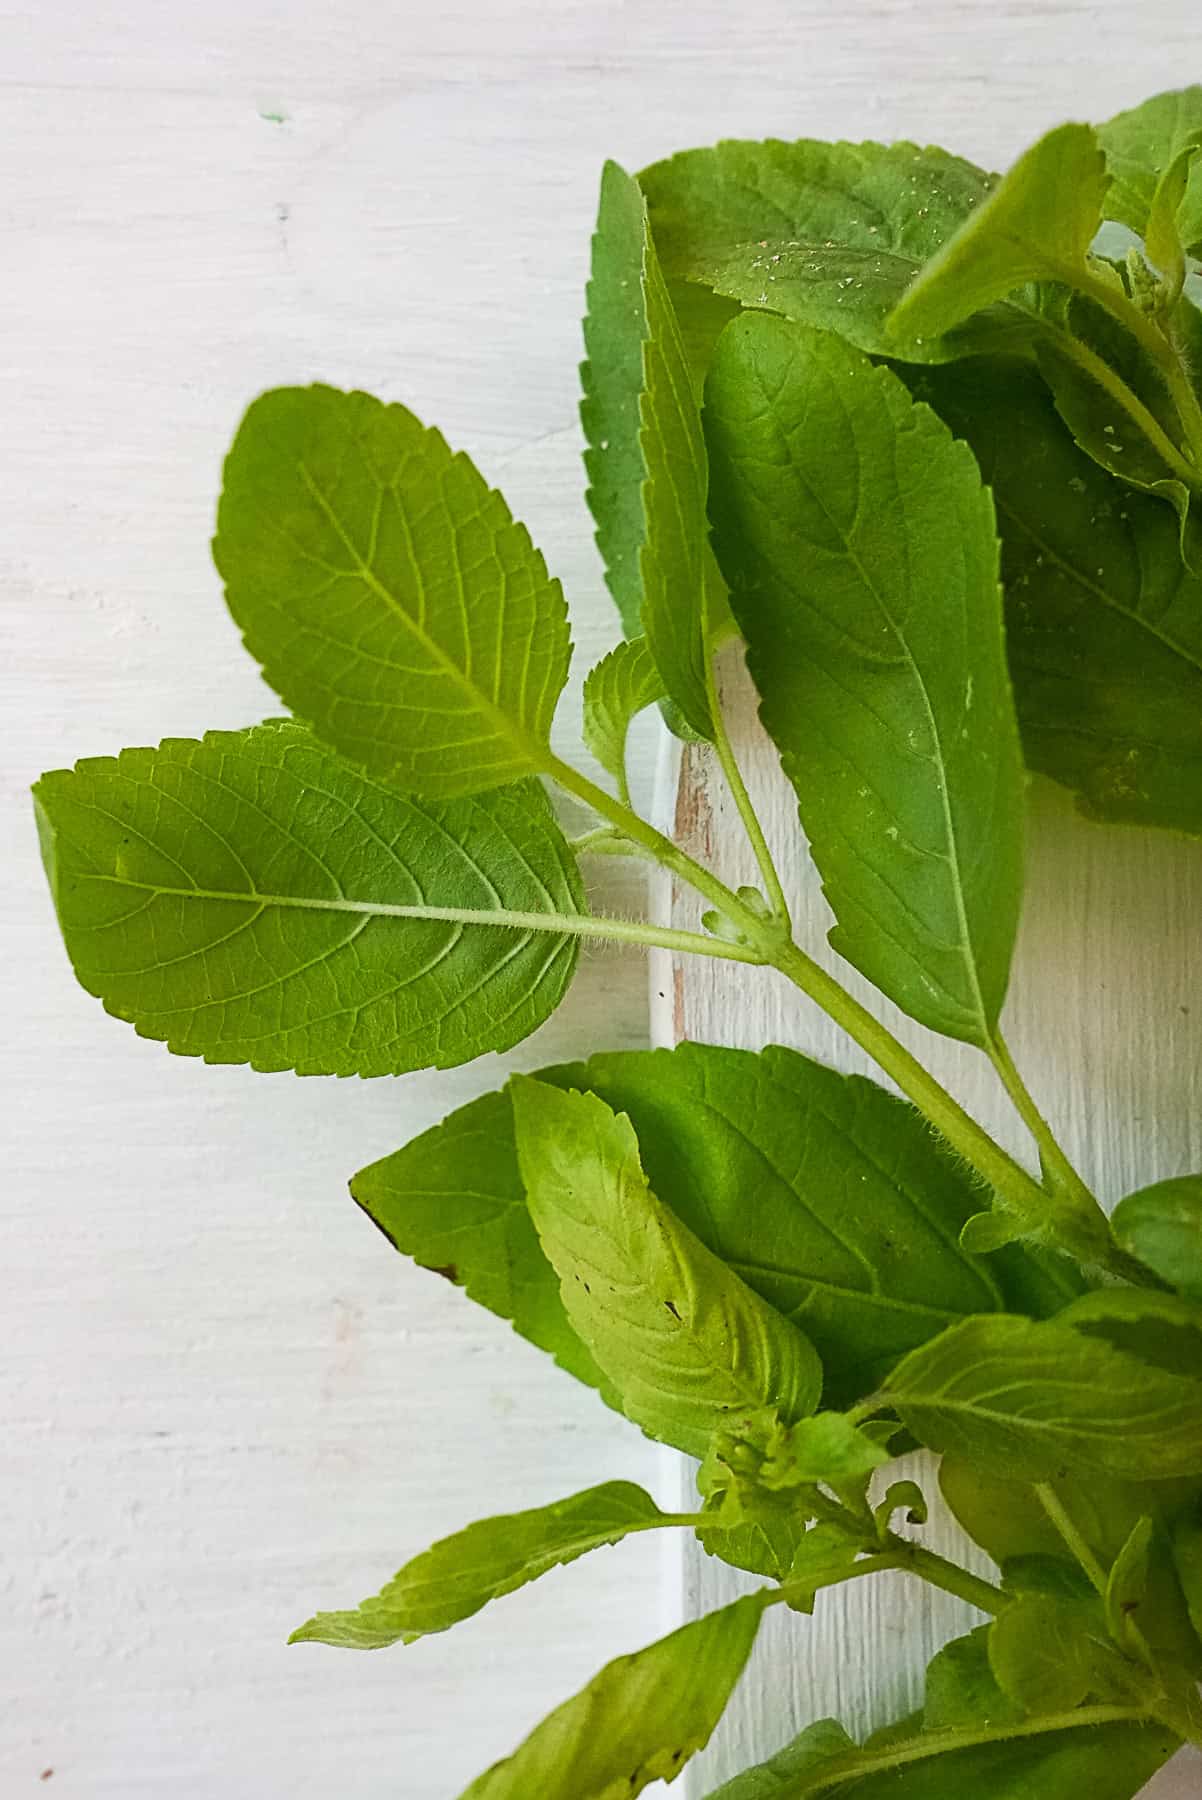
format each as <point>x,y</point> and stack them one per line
<point>1103,1020</point>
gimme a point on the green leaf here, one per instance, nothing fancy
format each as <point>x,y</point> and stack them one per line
<point>1104,623</point>
<point>1162,239</point>
<point>1139,440</point>
<point>1026,1399</point>
<point>1140,145</point>
<point>826,1447</point>
<point>453,1200</point>
<point>1161,1225</point>
<point>683,1340</point>
<point>1160,1329</point>
<point>1039,1653</point>
<point>1108,1762</point>
<point>1036,225</point>
<point>616,690</point>
<point>460,1574</point>
<point>1187,1559</point>
<point>646,456</point>
<point>1127,1583</point>
<point>824,1557</point>
<point>636,1722</point>
<point>899,1496</point>
<point>828,234</point>
<point>390,597</point>
<point>859,545</point>
<point>961,1688</point>
<point>253,898</point>
<point>854,1237</point>
<point>777,1778</point>
<point>1006,1518</point>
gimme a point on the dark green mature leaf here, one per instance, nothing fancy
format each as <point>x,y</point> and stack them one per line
<point>1137,440</point>
<point>1025,1398</point>
<point>828,234</point>
<point>1104,623</point>
<point>1139,145</point>
<point>854,1237</point>
<point>1036,225</point>
<point>636,1722</point>
<point>460,1574</point>
<point>616,690</point>
<point>1161,1225</point>
<point>390,597</point>
<point>1187,1559</point>
<point>681,1338</point>
<point>646,456</point>
<point>253,898</point>
<point>860,549</point>
<point>1163,1330</point>
<point>1109,1762</point>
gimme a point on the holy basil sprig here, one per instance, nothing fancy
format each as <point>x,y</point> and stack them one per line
<point>930,442</point>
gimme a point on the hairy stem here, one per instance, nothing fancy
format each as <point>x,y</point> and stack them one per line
<point>1164,354</point>
<point>1055,1163</point>
<point>948,1576</point>
<point>1060,1518</point>
<point>1100,371</point>
<point>742,799</point>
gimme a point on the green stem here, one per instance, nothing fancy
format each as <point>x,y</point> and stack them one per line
<point>742,799</point>
<point>1055,1163</point>
<point>1053,1507</point>
<point>995,1165</point>
<point>948,1576</point>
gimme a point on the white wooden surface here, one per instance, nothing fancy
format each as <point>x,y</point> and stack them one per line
<point>223,1400</point>
<point>1101,1019</point>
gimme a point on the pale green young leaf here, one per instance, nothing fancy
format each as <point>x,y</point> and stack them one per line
<point>1161,1225</point>
<point>961,1687</point>
<point>1104,621</point>
<point>862,557</point>
<point>253,898</point>
<point>680,1336</point>
<point>1127,1583</point>
<point>777,1778</point>
<point>1026,1399</point>
<point>390,597</point>
<point>622,685</point>
<point>826,1447</point>
<point>828,234</point>
<point>1140,144</point>
<point>646,456</point>
<point>638,1721</point>
<point>824,1557</point>
<point>460,1574</point>
<point>865,1281</point>
<point>1036,225</point>
<point>900,1496</point>
<point>1162,238</point>
<point>1039,1652</point>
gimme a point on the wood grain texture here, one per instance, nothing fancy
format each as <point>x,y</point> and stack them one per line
<point>224,1401</point>
<point>1102,1019</point>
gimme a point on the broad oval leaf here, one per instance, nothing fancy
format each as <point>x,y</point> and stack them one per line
<point>682,1339</point>
<point>636,1722</point>
<point>1039,1651</point>
<point>1026,1399</point>
<point>1036,225</point>
<point>1140,144</point>
<point>1104,622</point>
<point>646,456</point>
<point>831,235</point>
<point>623,684</point>
<point>389,595</point>
<point>1161,1225</point>
<point>855,1236</point>
<point>252,898</point>
<point>861,553</point>
<point>460,1574</point>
